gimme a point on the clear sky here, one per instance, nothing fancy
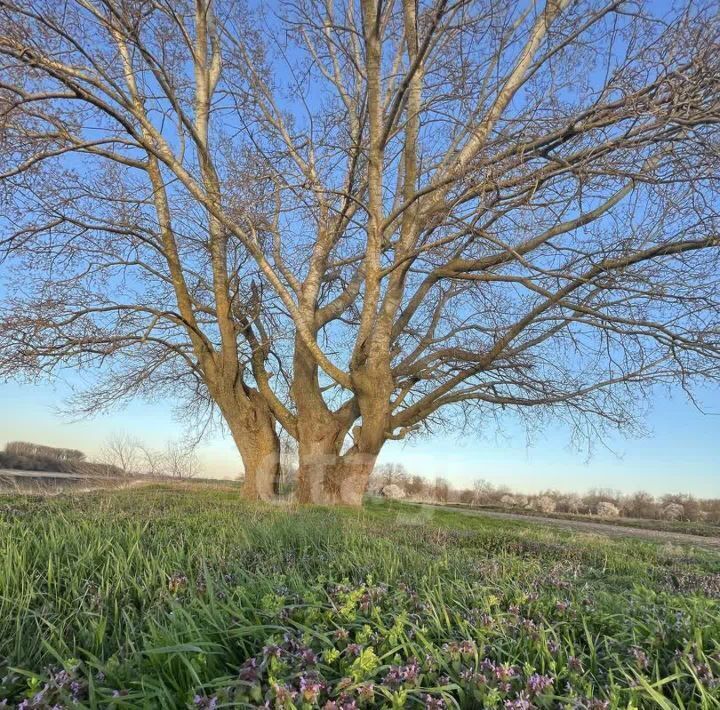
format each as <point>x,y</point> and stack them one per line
<point>681,454</point>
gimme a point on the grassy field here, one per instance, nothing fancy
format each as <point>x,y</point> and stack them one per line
<point>671,526</point>
<point>172,598</point>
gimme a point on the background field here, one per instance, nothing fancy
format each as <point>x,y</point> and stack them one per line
<point>174,597</point>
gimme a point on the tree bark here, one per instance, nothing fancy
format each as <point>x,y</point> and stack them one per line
<point>325,477</point>
<point>347,481</point>
<point>254,432</point>
<point>328,478</point>
<point>260,453</point>
<point>319,452</point>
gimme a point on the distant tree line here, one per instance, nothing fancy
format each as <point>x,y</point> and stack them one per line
<point>25,456</point>
<point>603,502</point>
<point>121,455</point>
<point>25,448</point>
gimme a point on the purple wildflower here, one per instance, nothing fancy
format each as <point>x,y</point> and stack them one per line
<point>249,671</point>
<point>308,657</point>
<point>284,694</point>
<point>177,582</point>
<point>272,650</point>
<point>641,659</point>
<point>354,649</point>
<point>467,648</point>
<point>704,673</point>
<point>310,688</point>
<point>488,665</point>
<point>505,673</point>
<point>366,691</point>
<point>520,703</point>
<point>402,675</point>
<point>575,664</point>
<point>537,683</point>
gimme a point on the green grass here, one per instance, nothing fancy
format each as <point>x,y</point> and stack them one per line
<point>165,598</point>
<point>704,529</point>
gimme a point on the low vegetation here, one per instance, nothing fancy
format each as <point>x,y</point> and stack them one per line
<point>24,456</point>
<point>121,457</point>
<point>604,503</point>
<point>190,597</point>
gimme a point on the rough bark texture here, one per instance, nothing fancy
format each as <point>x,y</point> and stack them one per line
<point>331,479</point>
<point>260,453</point>
<point>347,481</point>
<point>320,432</point>
<point>254,431</point>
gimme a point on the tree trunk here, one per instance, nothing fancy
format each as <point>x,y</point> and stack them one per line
<point>260,452</point>
<point>327,478</point>
<point>253,429</point>
<point>347,481</point>
<point>320,433</point>
<point>319,447</point>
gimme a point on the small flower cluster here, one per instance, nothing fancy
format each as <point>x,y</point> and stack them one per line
<point>407,675</point>
<point>700,666</point>
<point>61,686</point>
<point>177,582</point>
<point>461,649</point>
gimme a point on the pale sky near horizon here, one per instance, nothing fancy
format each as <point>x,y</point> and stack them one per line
<point>681,453</point>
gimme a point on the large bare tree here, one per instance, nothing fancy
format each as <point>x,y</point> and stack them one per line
<point>358,220</point>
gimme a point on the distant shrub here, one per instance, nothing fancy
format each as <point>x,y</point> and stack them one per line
<point>674,511</point>
<point>25,448</point>
<point>392,491</point>
<point>545,504</point>
<point>606,509</point>
<point>640,505</point>
<point>692,509</point>
<point>47,464</point>
<point>34,463</point>
<point>570,503</point>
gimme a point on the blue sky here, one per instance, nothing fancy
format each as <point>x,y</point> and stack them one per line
<point>681,454</point>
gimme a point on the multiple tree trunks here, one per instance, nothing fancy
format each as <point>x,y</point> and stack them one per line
<point>438,211</point>
<point>325,476</point>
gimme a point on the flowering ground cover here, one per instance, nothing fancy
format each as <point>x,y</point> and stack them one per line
<point>168,598</point>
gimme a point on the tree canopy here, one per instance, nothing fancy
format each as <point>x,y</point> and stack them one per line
<point>356,220</point>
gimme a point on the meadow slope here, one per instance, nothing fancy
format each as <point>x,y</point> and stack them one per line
<point>169,598</point>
